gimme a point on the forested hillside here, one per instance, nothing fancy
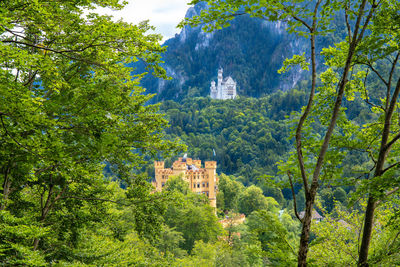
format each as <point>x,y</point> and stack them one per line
<point>246,136</point>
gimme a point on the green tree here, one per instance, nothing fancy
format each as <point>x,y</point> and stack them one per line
<point>68,105</point>
<point>276,240</point>
<point>341,235</point>
<point>381,55</point>
<point>231,190</point>
<point>169,242</point>
<point>340,195</point>
<point>309,21</point>
<point>191,215</point>
<point>252,199</point>
<point>326,196</point>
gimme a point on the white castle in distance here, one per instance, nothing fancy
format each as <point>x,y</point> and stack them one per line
<point>225,89</point>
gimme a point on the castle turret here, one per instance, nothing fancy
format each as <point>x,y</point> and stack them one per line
<point>211,167</point>
<point>219,86</point>
<point>197,163</point>
<point>220,78</point>
<point>179,166</point>
<point>213,90</point>
<point>158,169</point>
<point>158,165</point>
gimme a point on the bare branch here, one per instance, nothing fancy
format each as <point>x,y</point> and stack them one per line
<point>371,12</point>
<point>391,244</point>
<point>377,73</point>
<point>388,118</point>
<point>285,8</point>
<point>372,156</point>
<point>388,193</point>
<point>294,198</point>
<point>366,93</point>
<point>18,35</point>
<point>390,167</point>
<point>389,85</point>
<point>346,16</point>
<point>392,191</point>
<point>339,96</point>
<point>65,53</point>
<point>31,78</point>
<point>307,110</point>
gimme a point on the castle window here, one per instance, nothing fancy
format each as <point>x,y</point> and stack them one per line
<point>204,185</point>
<point>207,184</point>
<point>194,185</point>
<point>198,185</point>
<point>207,193</point>
<point>162,184</point>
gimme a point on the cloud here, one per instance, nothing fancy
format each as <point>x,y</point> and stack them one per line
<point>163,14</point>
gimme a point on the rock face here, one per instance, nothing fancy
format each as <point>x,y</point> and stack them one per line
<point>251,50</point>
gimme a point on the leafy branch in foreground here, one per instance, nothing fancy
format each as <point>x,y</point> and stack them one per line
<point>68,105</point>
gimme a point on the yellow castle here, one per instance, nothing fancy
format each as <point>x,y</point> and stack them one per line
<point>200,180</point>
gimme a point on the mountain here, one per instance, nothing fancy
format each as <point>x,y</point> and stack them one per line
<point>250,50</point>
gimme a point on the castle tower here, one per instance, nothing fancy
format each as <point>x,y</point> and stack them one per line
<point>213,90</point>
<point>158,165</point>
<point>158,169</point>
<point>220,78</point>
<point>219,87</point>
<point>211,167</point>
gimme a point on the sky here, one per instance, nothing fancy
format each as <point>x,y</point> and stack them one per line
<point>163,14</point>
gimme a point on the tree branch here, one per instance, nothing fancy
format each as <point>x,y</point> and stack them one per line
<point>307,110</point>
<point>388,193</point>
<point>377,73</point>
<point>61,52</point>
<point>339,96</point>
<point>391,166</point>
<point>371,12</point>
<point>346,16</point>
<point>294,198</point>
<point>392,106</point>
<point>18,143</point>
<point>366,91</point>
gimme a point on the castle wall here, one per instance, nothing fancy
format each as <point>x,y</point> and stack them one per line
<point>200,180</point>
<point>225,89</point>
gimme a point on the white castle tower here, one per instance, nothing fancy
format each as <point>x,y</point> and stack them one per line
<point>226,88</point>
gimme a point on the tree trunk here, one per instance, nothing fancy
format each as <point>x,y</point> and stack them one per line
<point>47,207</point>
<point>305,234</point>
<point>35,243</point>
<point>367,232</point>
<point>6,188</point>
<point>385,147</point>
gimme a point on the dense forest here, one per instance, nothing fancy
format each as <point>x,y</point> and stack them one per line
<point>246,136</point>
<point>307,176</point>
